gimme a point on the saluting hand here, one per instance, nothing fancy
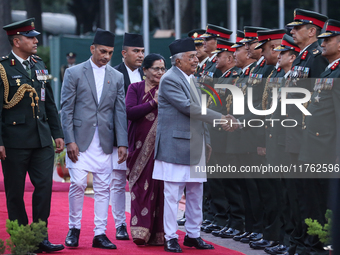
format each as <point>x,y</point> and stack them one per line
<point>122,154</point>
<point>72,151</point>
<point>59,145</point>
<point>2,153</point>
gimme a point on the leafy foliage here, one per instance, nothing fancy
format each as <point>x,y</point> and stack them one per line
<point>323,232</point>
<point>25,239</point>
<point>44,54</point>
<point>2,247</point>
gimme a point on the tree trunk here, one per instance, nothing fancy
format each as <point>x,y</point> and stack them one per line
<point>33,8</point>
<point>5,19</point>
<point>256,13</point>
<point>187,14</point>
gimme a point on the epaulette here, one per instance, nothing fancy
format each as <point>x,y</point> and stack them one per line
<point>3,58</point>
<point>247,71</point>
<point>235,73</point>
<point>227,74</point>
<point>36,57</point>
<point>335,65</point>
<point>316,52</point>
<point>263,61</point>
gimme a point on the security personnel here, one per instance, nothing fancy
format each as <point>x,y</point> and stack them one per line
<point>275,144</point>
<point>71,61</point>
<point>225,194</point>
<point>29,119</point>
<point>321,132</point>
<point>235,156</point>
<point>201,54</point>
<point>269,189</point>
<point>205,77</point>
<point>310,63</point>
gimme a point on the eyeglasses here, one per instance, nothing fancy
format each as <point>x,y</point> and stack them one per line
<point>157,69</point>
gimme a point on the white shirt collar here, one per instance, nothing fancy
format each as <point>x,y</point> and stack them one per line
<point>200,64</point>
<point>245,68</point>
<point>277,66</point>
<point>187,77</point>
<point>287,74</point>
<point>94,66</point>
<point>260,60</point>
<point>329,66</point>
<point>212,57</point>
<point>134,75</point>
<point>304,49</point>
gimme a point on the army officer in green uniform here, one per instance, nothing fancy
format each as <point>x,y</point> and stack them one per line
<point>29,121</point>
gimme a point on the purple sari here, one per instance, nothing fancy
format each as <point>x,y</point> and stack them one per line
<point>147,199</point>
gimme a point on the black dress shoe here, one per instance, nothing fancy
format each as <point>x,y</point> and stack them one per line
<point>230,233</point>
<point>241,235</point>
<point>261,244</point>
<point>172,246</point>
<point>206,222</point>
<point>252,237</point>
<point>217,232</point>
<point>181,221</point>
<point>121,233</point>
<point>72,238</point>
<point>278,249</point>
<point>46,246</point>
<point>101,241</point>
<point>198,243</point>
<point>211,227</point>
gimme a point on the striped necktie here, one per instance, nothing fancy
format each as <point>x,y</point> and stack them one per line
<point>28,69</point>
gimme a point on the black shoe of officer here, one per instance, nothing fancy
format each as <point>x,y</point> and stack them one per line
<point>46,246</point>
<point>121,233</point>
<point>230,233</point>
<point>211,227</point>
<point>72,238</point>
<point>262,244</point>
<point>278,249</point>
<point>252,237</point>
<point>218,232</point>
<point>241,235</point>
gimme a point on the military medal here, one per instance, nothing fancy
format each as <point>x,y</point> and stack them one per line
<point>42,94</point>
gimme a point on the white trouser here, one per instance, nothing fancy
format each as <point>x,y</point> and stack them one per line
<point>193,208</point>
<point>117,196</point>
<point>101,188</point>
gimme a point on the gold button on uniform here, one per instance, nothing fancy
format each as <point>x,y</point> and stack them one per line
<point>270,136</point>
<point>14,123</point>
<point>37,117</point>
<point>317,134</point>
<point>266,126</point>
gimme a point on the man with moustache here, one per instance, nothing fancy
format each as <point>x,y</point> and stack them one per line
<point>201,54</point>
<point>181,144</point>
<point>29,121</point>
<point>92,106</point>
<point>309,64</point>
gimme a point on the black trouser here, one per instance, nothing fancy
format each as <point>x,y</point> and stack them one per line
<point>38,163</point>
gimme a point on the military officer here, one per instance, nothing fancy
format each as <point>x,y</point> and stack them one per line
<point>310,63</point>
<point>71,61</point>
<point>225,193</point>
<point>29,119</point>
<point>201,54</point>
<point>321,132</point>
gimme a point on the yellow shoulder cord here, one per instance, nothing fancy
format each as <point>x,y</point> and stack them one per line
<point>19,95</point>
<point>265,93</point>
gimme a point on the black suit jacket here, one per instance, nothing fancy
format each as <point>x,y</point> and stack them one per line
<point>121,68</point>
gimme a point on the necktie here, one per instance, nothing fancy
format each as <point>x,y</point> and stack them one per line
<point>28,70</point>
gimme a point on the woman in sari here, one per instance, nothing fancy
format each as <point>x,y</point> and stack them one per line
<point>147,199</point>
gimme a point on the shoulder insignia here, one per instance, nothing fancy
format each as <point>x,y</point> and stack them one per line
<point>35,61</point>
<point>279,69</point>
<point>214,60</point>
<point>205,64</point>
<point>335,65</point>
<point>3,58</point>
<point>235,73</point>
<point>227,74</point>
<point>262,63</point>
<point>12,62</point>
<point>36,57</point>
<point>247,71</point>
<point>315,51</point>
<point>304,54</point>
